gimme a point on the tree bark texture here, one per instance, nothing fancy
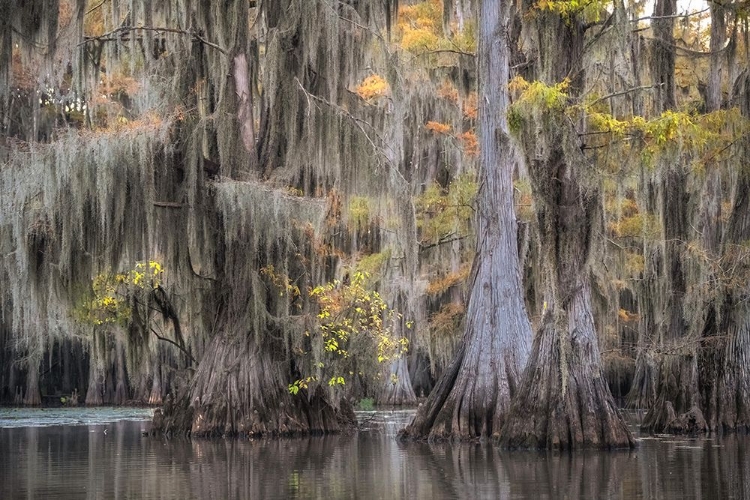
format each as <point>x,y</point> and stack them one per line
<point>725,362</point>
<point>718,35</point>
<point>240,388</point>
<point>663,54</point>
<point>473,395</point>
<point>563,400</point>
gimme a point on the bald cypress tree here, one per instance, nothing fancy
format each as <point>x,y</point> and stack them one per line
<point>563,400</point>
<point>473,395</point>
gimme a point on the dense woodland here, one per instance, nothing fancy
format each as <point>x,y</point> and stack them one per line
<point>255,214</point>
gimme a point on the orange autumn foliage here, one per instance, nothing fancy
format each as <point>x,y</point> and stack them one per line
<point>444,283</point>
<point>471,107</point>
<point>438,128</point>
<point>372,87</point>
<point>420,25</point>
<point>470,143</point>
<point>448,92</point>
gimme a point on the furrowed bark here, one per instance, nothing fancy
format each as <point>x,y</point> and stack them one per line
<point>238,389</point>
<point>473,395</point>
<point>563,400</point>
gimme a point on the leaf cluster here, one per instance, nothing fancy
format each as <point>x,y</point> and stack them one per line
<point>108,300</point>
<point>280,281</point>
<point>420,30</point>
<point>355,331</point>
<point>359,211</point>
<point>443,212</point>
<point>589,10</point>
<point>372,87</point>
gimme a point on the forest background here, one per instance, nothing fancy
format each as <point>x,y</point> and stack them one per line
<point>266,210</point>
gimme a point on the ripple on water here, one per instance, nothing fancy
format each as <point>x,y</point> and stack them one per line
<point>45,417</point>
<point>386,421</point>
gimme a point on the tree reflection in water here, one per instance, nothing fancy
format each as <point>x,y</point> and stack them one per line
<point>84,462</point>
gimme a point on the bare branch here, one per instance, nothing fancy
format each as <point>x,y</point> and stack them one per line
<point>178,346</point>
<point>627,91</point>
<point>672,16</point>
<point>360,26</point>
<point>167,204</point>
<point>448,51</point>
<point>698,53</point>
<point>422,248</point>
<point>111,36</point>
<point>358,122</point>
<point>92,9</point>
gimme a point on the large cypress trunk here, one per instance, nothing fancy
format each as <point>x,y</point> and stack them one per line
<point>725,375</point>
<point>473,395</point>
<point>563,400</point>
<point>688,367</point>
<point>240,389</point>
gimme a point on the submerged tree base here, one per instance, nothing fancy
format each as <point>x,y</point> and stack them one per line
<point>563,401</point>
<point>662,418</point>
<point>239,390</point>
<point>398,391</point>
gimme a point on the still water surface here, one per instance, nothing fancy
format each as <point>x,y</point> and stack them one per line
<point>79,460</point>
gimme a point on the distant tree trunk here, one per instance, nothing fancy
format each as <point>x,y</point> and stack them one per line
<point>121,382</point>
<point>663,54</point>
<point>702,379</point>
<point>32,397</point>
<point>95,391</point>
<point>652,302</point>
<point>677,382</point>
<point>643,390</point>
<point>473,395</point>
<point>66,350</point>
<point>397,389</point>
<point>563,400</point>
<point>718,36</point>
<point>733,69</point>
<point>725,373</point>
<point>676,405</point>
<point>155,397</point>
<point>245,98</point>
<point>400,276</point>
<point>6,58</point>
<point>711,352</point>
<point>636,61</point>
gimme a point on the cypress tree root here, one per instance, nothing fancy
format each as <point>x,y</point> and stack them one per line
<point>563,401</point>
<point>240,390</point>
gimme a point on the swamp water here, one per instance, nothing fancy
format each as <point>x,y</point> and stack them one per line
<point>101,453</point>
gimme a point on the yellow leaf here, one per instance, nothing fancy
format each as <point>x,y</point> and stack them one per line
<point>372,87</point>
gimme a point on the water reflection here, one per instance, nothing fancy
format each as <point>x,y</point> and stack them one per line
<point>86,462</point>
<point>40,417</point>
